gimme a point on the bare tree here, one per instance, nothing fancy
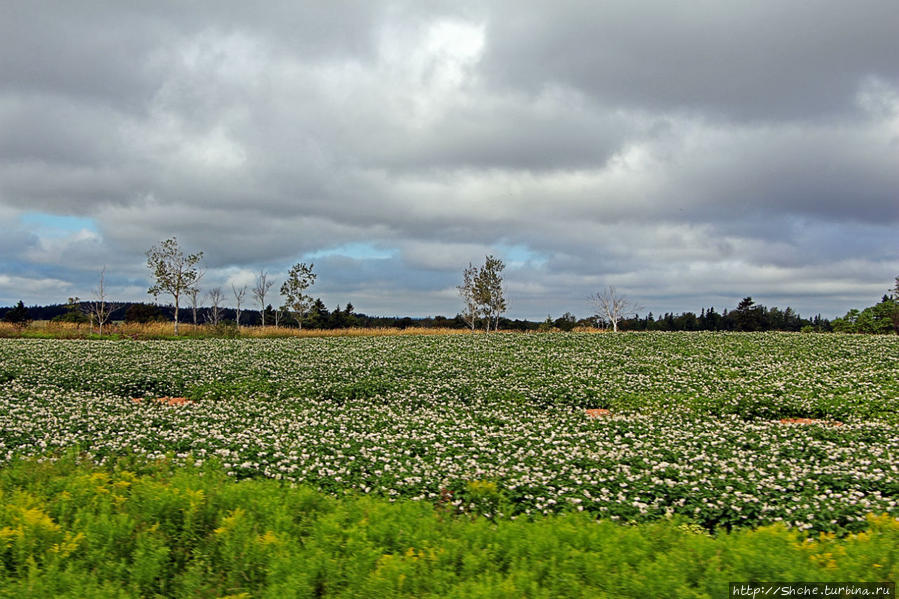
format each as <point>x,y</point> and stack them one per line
<point>278,312</point>
<point>99,309</point>
<point>299,278</point>
<point>612,307</point>
<point>259,291</point>
<point>194,292</point>
<point>488,287</point>
<point>175,273</point>
<point>239,293</point>
<point>216,297</point>
<point>468,293</point>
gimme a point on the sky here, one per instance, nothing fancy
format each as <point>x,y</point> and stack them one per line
<point>687,153</point>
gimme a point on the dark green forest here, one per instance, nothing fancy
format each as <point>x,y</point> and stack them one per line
<point>882,318</point>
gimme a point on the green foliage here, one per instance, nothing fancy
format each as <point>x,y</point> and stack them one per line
<point>143,313</point>
<point>226,329</point>
<point>882,318</point>
<point>18,315</point>
<point>299,279</point>
<point>175,273</point>
<point>748,315</point>
<point>73,313</point>
<point>694,429</point>
<point>488,290</point>
<point>482,293</point>
<point>72,316</point>
<point>138,529</point>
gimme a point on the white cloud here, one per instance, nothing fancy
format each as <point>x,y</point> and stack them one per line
<point>682,166</point>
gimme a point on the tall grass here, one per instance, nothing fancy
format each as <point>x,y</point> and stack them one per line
<point>349,332</point>
<point>133,529</point>
<point>165,330</point>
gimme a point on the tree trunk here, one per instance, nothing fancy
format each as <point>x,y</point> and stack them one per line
<point>176,314</point>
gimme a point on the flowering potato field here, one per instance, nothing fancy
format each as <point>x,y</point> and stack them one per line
<point>494,425</point>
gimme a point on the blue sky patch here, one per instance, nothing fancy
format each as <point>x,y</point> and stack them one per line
<point>55,225</point>
<point>357,251</point>
<point>519,254</point>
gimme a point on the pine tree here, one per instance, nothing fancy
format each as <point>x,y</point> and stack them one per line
<point>18,315</point>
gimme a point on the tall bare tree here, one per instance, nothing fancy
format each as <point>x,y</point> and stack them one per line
<point>613,307</point>
<point>488,287</point>
<point>99,309</point>
<point>176,274</point>
<point>471,308</point>
<point>239,293</point>
<point>216,297</point>
<point>259,290</point>
<point>299,279</point>
<point>194,293</point>
<point>278,312</point>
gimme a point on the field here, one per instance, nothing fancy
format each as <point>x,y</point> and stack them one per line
<point>44,329</point>
<point>493,427</point>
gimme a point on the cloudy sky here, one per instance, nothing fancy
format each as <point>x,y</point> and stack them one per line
<point>688,153</point>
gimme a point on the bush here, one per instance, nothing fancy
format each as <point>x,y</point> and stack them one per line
<point>18,316</point>
<point>149,529</point>
<point>227,329</point>
<point>143,313</point>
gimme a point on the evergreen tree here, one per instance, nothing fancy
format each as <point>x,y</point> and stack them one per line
<point>18,315</point>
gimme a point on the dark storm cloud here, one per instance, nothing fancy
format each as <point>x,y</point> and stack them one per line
<point>765,60</point>
<point>681,153</point>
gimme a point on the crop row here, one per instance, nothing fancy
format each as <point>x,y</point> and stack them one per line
<point>495,425</point>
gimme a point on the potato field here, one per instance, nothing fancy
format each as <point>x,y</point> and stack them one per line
<point>724,430</point>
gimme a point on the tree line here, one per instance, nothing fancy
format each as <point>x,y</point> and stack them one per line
<point>178,275</point>
<point>875,319</point>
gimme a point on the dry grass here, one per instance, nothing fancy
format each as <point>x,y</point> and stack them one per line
<point>165,330</point>
<point>351,332</point>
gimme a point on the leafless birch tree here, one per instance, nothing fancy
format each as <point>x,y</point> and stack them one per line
<point>471,309</point>
<point>612,307</point>
<point>239,293</point>
<point>193,293</point>
<point>99,309</point>
<point>259,291</point>
<point>216,297</point>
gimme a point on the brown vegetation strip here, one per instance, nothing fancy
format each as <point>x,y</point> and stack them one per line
<point>163,330</point>
<point>598,412</point>
<point>810,421</point>
<point>170,401</point>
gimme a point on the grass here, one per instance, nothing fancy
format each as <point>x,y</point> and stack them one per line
<point>694,428</point>
<point>139,529</point>
<point>450,466</point>
<point>42,329</point>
